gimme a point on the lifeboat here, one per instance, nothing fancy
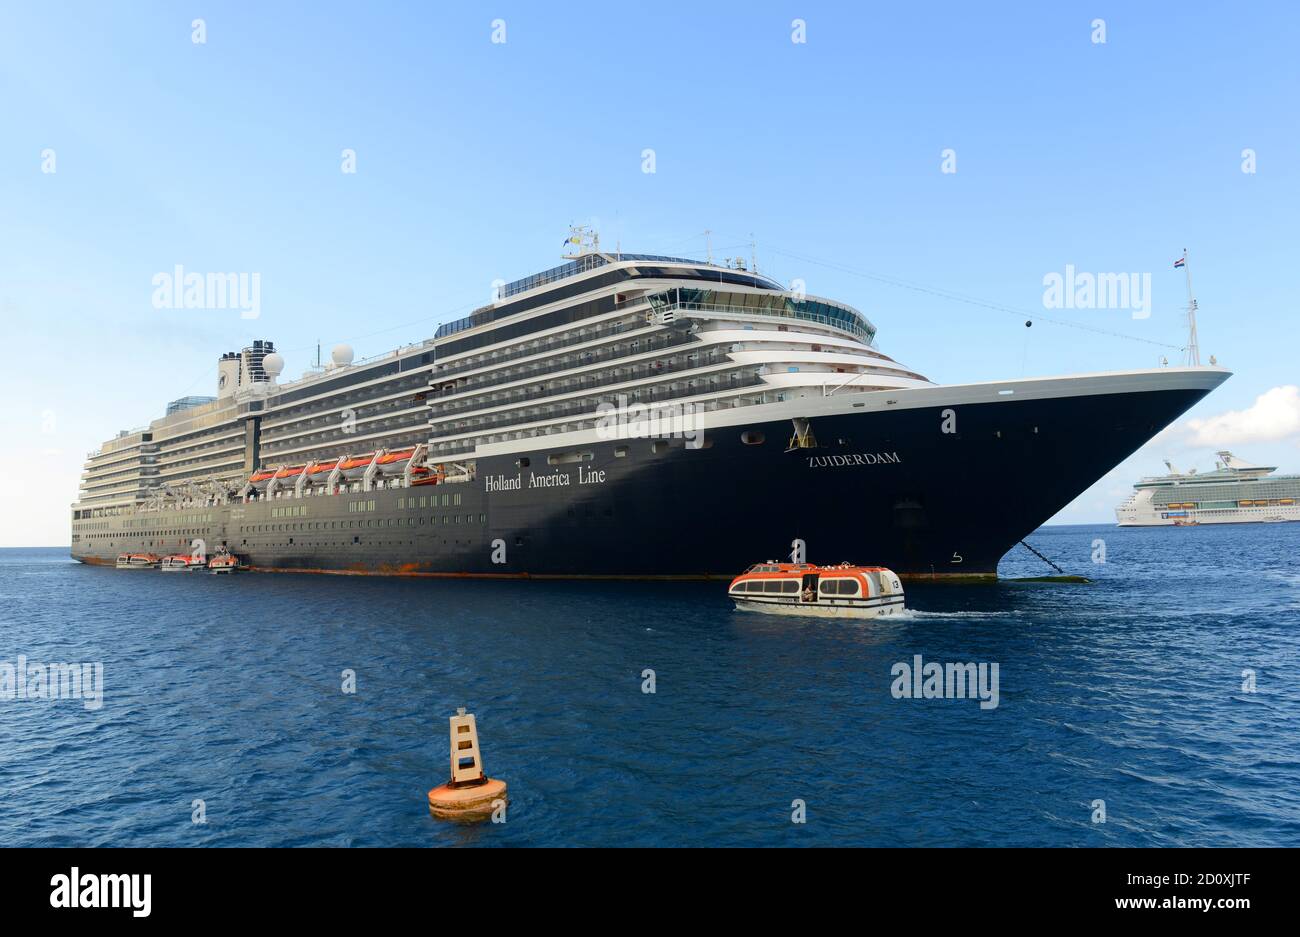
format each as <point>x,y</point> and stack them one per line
<point>289,471</point>
<point>394,463</point>
<point>843,591</point>
<point>423,475</point>
<point>355,468</point>
<point>180,562</point>
<point>224,563</point>
<point>260,478</point>
<point>323,468</point>
<point>137,560</point>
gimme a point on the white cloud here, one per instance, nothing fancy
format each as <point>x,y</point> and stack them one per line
<point>1275,414</point>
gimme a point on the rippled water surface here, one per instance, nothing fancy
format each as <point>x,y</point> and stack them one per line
<point>227,690</point>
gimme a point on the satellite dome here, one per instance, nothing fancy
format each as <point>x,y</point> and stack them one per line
<point>341,355</point>
<point>273,364</point>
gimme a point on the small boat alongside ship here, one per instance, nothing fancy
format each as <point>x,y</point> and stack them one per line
<point>221,562</point>
<point>138,561</point>
<point>225,563</point>
<point>843,591</point>
<point>182,563</point>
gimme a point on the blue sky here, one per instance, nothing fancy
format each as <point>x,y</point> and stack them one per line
<point>472,158</point>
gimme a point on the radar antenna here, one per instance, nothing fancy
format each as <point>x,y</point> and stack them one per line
<point>582,240</point>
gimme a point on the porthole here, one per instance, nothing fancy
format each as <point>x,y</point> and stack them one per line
<point>752,438</point>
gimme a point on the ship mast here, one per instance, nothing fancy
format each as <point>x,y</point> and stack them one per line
<point>585,238</point>
<point>1193,346</point>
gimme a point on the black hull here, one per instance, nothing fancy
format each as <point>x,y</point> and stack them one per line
<point>882,487</point>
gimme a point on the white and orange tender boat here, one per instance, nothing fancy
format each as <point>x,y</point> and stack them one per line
<point>224,563</point>
<point>138,560</point>
<point>843,591</point>
<point>182,562</point>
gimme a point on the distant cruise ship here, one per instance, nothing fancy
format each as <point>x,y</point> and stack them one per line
<point>1236,492</point>
<point>621,415</point>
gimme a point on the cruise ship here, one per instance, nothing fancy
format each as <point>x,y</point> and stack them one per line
<point>618,416</point>
<point>1236,492</point>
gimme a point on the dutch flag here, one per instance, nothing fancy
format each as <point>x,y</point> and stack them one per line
<point>1180,262</point>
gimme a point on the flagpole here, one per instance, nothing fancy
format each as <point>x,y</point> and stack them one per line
<point>1193,346</point>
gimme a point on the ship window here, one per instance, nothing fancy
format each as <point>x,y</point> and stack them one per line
<point>829,587</point>
<point>789,585</point>
<point>772,585</point>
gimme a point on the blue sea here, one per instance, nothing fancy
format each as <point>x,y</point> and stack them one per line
<point>1164,693</point>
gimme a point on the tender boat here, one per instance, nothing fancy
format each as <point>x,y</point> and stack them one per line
<point>181,563</point>
<point>843,591</point>
<point>224,563</point>
<point>137,560</point>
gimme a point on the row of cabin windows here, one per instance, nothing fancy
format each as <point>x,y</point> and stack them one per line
<point>160,521</point>
<point>428,501</point>
<point>434,520</point>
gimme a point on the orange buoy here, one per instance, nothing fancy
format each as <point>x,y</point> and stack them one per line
<point>470,794</point>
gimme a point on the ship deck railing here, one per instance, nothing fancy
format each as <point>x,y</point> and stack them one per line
<point>595,335</point>
<point>585,420</point>
<point>579,410</point>
<point>715,310</point>
<point>587,358</point>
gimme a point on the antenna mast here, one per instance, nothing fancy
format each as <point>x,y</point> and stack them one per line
<point>1193,346</point>
<point>585,238</point>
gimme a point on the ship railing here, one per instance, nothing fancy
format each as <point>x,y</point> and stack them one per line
<point>595,335</point>
<point>400,351</point>
<point>567,412</point>
<point>587,358</point>
<point>715,310</point>
<point>447,451</point>
<point>640,371</point>
<point>483,315</point>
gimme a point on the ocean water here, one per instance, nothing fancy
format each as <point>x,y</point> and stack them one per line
<point>227,690</point>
